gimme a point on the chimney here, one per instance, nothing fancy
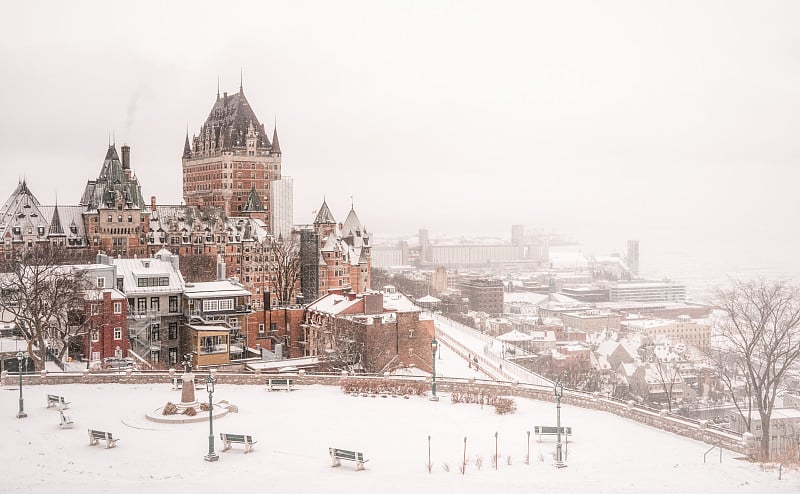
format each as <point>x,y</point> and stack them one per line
<point>153,203</point>
<point>220,269</point>
<point>126,157</point>
<point>266,300</point>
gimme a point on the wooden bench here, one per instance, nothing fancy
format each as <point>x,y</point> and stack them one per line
<point>57,400</point>
<point>66,422</point>
<point>95,436</point>
<point>280,383</point>
<point>337,455</point>
<point>227,439</point>
<point>545,430</point>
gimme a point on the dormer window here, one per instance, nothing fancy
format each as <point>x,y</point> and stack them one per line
<point>41,231</point>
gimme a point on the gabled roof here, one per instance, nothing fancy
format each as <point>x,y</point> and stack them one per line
<point>324,216</point>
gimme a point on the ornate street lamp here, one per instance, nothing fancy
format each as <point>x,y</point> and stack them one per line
<point>434,347</point>
<point>558,389</point>
<point>21,414</point>
<point>211,456</point>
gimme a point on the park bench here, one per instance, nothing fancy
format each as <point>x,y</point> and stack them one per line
<point>337,455</point>
<point>66,422</point>
<point>281,383</point>
<point>227,439</point>
<point>57,400</point>
<point>95,436</point>
<point>545,430</point>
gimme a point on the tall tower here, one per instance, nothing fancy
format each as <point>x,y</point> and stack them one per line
<point>633,257</point>
<point>231,156</point>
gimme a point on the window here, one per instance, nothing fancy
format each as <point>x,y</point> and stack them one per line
<point>117,307</point>
<point>173,355</point>
<point>410,352</point>
<point>117,333</point>
<point>155,355</point>
<point>95,335</point>
<point>155,332</point>
<point>130,219</point>
<point>110,219</point>
<point>214,344</point>
<point>95,309</point>
<point>142,305</point>
<point>173,331</point>
<point>260,328</point>
<point>154,304</point>
<point>173,303</point>
<point>410,333</point>
<point>217,305</point>
<point>273,326</point>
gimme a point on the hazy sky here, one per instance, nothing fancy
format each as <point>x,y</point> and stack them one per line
<point>609,120</point>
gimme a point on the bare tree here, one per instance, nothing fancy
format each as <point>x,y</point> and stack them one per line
<point>762,332</point>
<point>42,295</point>
<point>283,267</point>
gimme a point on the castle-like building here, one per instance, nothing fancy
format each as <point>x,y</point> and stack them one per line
<point>237,205</point>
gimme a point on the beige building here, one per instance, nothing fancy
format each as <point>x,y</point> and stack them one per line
<point>591,320</point>
<point>690,332</point>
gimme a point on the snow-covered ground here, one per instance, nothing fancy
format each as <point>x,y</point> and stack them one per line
<point>295,429</point>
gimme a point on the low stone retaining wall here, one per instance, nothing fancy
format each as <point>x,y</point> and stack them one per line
<point>698,430</point>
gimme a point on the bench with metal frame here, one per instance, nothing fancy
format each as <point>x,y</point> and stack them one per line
<point>95,436</point>
<point>280,383</point>
<point>227,439</point>
<point>337,455</point>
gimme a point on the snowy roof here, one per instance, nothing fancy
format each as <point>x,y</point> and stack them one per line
<point>132,270</point>
<point>214,289</point>
<point>202,327</point>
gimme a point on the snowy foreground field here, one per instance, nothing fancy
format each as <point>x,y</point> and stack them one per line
<point>294,430</point>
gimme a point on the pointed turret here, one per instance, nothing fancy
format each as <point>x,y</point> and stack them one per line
<point>276,148</point>
<point>55,223</point>
<point>253,203</point>
<point>324,216</point>
<point>187,148</point>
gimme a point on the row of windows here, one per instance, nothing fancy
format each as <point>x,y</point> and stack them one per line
<point>153,281</point>
<point>217,305</point>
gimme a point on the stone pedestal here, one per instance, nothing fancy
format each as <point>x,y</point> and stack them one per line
<point>187,391</point>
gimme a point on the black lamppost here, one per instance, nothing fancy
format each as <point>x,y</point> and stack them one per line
<point>434,347</point>
<point>21,414</point>
<point>211,456</point>
<point>558,389</point>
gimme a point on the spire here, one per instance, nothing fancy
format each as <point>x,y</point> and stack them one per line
<point>187,148</point>
<point>253,203</point>
<point>217,88</point>
<point>276,148</point>
<point>55,223</point>
<point>324,216</point>
<point>241,81</point>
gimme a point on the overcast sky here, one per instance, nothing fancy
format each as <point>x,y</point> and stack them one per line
<point>606,120</point>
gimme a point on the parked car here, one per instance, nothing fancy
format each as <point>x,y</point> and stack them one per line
<point>118,363</point>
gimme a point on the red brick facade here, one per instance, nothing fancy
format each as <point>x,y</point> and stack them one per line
<point>106,326</point>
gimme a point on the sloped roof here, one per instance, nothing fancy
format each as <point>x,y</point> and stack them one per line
<point>324,215</point>
<point>253,203</point>
<point>112,183</point>
<point>229,122</point>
